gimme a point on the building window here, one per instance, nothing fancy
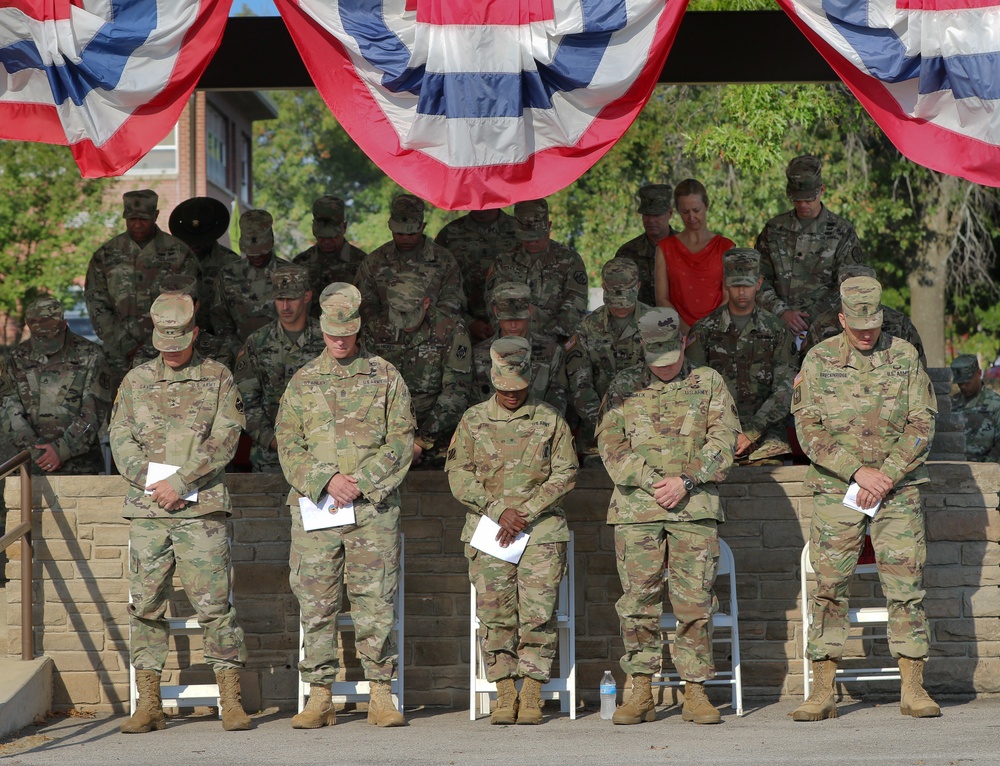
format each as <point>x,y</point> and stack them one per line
<point>161,160</point>
<point>246,170</point>
<point>217,148</point>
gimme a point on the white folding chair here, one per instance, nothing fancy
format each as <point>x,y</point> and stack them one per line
<point>726,621</point>
<point>872,620</point>
<point>360,691</point>
<point>561,687</point>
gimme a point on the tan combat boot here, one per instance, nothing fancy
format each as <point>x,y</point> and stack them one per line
<point>505,712</point>
<point>820,704</point>
<point>318,711</point>
<point>914,699</point>
<point>148,713</point>
<point>640,706</point>
<point>697,708</point>
<point>531,703</point>
<point>234,718</point>
<point>381,711</point>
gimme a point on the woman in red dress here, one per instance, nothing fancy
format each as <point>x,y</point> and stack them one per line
<point>689,263</point>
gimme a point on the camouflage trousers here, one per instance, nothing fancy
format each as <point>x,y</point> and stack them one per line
<point>364,560</point>
<point>198,550</point>
<point>688,551</point>
<point>835,541</point>
<point>516,606</point>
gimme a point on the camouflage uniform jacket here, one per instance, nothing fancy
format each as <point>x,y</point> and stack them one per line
<point>476,247</point>
<point>548,371</point>
<point>982,425</point>
<point>758,365</point>
<point>642,252</point>
<point>243,301</point>
<point>190,417</point>
<point>894,322</point>
<point>650,430</point>
<point>854,411</point>
<point>436,363</point>
<point>264,366</point>
<point>800,260</point>
<point>352,418</point>
<point>558,282</point>
<point>326,268</point>
<point>436,267</point>
<point>123,280</point>
<point>61,399</point>
<point>218,258</point>
<point>522,459</point>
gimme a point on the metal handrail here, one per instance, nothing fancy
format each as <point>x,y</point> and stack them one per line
<point>22,532</point>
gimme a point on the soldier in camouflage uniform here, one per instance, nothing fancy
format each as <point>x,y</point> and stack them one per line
<point>981,408</point>
<point>554,273</point>
<point>755,353</point>
<point>512,460</point>
<point>55,395</point>
<point>666,435</point>
<point>410,251</point>
<point>864,412</point>
<point>476,239</point>
<point>271,356</point>
<point>802,250</point>
<point>181,410</point>
<point>656,208</point>
<point>243,300</point>
<point>433,352</point>
<point>512,309</point>
<point>123,279</point>
<point>345,429</point>
<point>332,258</point>
<point>199,222</point>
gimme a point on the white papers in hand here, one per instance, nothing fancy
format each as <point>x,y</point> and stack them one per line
<point>485,540</point>
<point>324,515</point>
<point>159,471</point>
<point>851,501</point>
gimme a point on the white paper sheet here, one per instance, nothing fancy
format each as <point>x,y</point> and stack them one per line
<point>851,501</point>
<point>159,471</point>
<point>325,515</point>
<point>485,540</point>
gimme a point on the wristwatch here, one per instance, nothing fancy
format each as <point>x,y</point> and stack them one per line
<point>688,483</point>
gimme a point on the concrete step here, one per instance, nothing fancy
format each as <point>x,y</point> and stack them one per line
<point>25,692</point>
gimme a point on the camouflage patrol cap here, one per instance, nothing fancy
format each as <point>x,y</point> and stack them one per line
<point>512,300</point>
<point>660,332</point>
<point>511,358</point>
<point>199,221</point>
<point>405,296</point>
<point>45,318</point>
<point>406,216</point>
<point>656,199</point>
<point>964,368</point>
<point>532,219</point>
<point>328,216</point>
<point>741,266</point>
<point>861,303</point>
<point>290,281</point>
<point>340,304</point>
<point>256,234</point>
<point>179,283</point>
<point>849,270</point>
<point>805,178</point>
<point>173,322</point>
<point>620,279</point>
<point>140,204</point>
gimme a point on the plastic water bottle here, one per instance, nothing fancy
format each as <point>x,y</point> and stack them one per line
<point>609,696</point>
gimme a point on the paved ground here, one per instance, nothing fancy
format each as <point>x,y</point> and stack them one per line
<point>968,733</point>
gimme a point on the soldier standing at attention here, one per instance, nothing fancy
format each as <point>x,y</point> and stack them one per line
<point>864,412</point>
<point>271,356</point>
<point>55,395</point>
<point>666,435</point>
<point>656,208</point>
<point>512,460</point>
<point>185,412</point>
<point>981,408</point>
<point>345,429</point>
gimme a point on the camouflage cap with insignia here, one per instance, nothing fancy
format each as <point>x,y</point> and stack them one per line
<point>532,219</point>
<point>199,221</point>
<point>256,234</point>
<point>805,178</point>
<point>405,296</point>
<point>328,216</point>
<point>964,368</point>
<point>741,267</point>
<point>861,303</point>
<point>512,300</point>
<point>656,199</point>
<point>849,270</point>
<point>340,304</point>
<point>511,358</point>
<point>620,279</point>
<point>406,215</point>
<point>660,332</point>
<point>45,318</point>
<point>140,204</point>
<point>290,282</point>
<point>173,322</point>
<point>179,283</point>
